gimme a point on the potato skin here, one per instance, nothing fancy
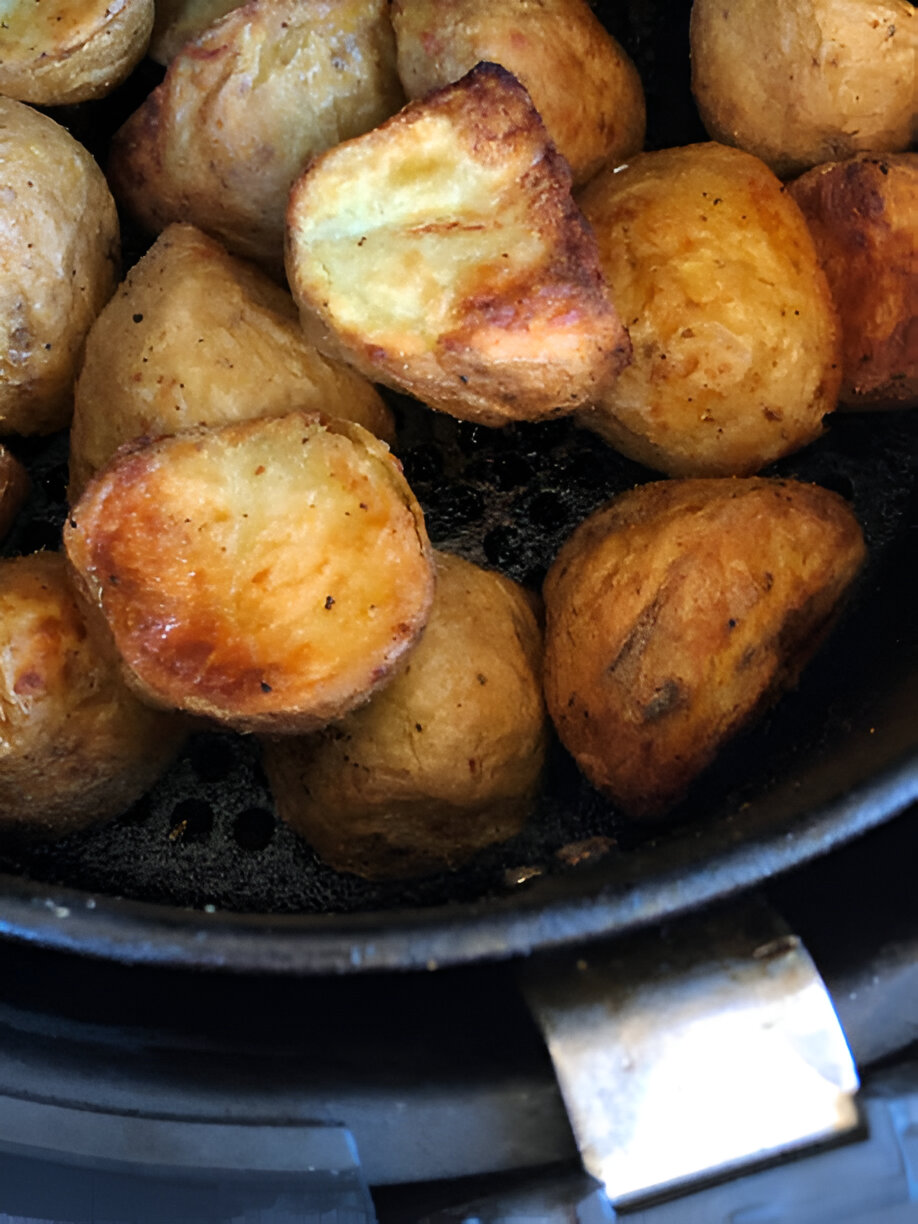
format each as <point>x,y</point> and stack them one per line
<point>546,44</point>
<point>195,336</point>
<point>268,574</point>
<point>442,254</point>
<point>76,747</point>
<point>243,108</point>
<point>863,215</point>
<point>446,759</point>
<point>676,612</point>
<point>59,255</point>
<point>800,82</point>
<point>179,21</point>
<point>59,52</point>
<point>735,337</point>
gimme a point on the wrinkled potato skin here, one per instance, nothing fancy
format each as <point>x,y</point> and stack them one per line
<point>734,333</point>
<point>179,21</point>
<point>800,82</point>
<point>676,612</point>
<point>267,574</point>
<point>59,255</point>
<point>446,759</point>
<point>442,254</point>
<point>14,488</point>
<point>547,45</point>
<point>59,52</point>
<point>76,747</point>
<point>195,336</point>
<point>863,215</point>
<point>243,108</point>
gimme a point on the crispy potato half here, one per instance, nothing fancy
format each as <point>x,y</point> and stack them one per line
<point>735,336</point>
<point>445,760</point>
<point>196,336</point>
<point>268,574</point>
<point>800,82</point>
<point>679,610</point>
<point>546,44</point>
<point>58,52</point>
<point>179,21</point>
<point>442,254</point>
<point>59,255</point>
<point>14,488</point>
<point>242,109</point>
<point>863,215</point>
<point>76,746</point>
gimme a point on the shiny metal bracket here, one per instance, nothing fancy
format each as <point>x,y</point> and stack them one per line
<point>690,1053</point>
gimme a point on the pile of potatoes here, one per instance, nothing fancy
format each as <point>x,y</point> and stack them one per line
<point>449,199</point>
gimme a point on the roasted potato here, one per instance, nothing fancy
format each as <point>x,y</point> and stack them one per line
<point>442,254</point>
<point>677,611</point>
<point>267,574</point>
<point>546,44</point>
<point>14,488</point>
<point>800,82</point>
<point>57,52</point>
<point>76,747</point>
<point>178,21</point>
<point>863,215</point>
<point>735,336</point>
<point>195,336</point>
<point>59,254</point>
<point>445,760</point>
<point>242,109</point>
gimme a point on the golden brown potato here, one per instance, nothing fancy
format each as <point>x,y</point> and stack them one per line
<point>445,760</point>
<point>800,82</point>
<point>14,488</point>
<point>178,21</point>
<point>268,574</point>
<point>76,747</point>
<point>735,336</point>
<point>442,254</point>
<point>676,612</point>
<point>195,336</point>
<point>863,215</point>
<point>243,108</point>
<point>57,52</point>
<point>59,253</point>
<point>547,45</point>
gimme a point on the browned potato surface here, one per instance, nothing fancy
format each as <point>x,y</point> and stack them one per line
<point>800,82</point>
<point>445,760</point>
<point>268,574</point>
<point>677,611</point>
<point>735,336</point>
<point>57,52</point>
<point>59,252</point>
<point>863,215</point>
<point>581,80</point>
<point>76,747</point>
<point>195,336</point>
<point>243,108</point>
<point>14,487</point>
<point>442,254</point>
<point>178,21</point>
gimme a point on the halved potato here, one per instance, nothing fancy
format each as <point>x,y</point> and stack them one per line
<point>242,109</point>
<point>800,82</point>
<point>863,215</point>
<point>58,52</point>
<point>446,760</point>
<point>676,612</point>
<point>59,257</point>
<point>76,747</point>
<point>268,574</point>
<point>195,336</point>
<point>442,254</point>
<point>736,340</point>
<point>547,45</point>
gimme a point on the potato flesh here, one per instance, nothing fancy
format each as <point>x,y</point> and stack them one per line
<point>268,574</point>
